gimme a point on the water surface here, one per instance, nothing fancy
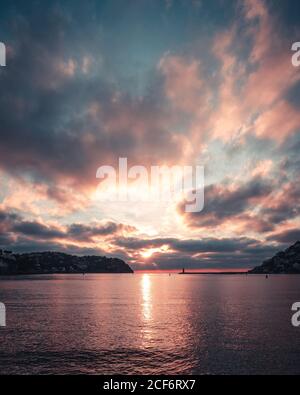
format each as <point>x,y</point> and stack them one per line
<point>149,323</point>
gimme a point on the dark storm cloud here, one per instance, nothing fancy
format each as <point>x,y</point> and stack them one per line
<point>289,236</point>
<point>285,206</point>
<point>293,95</point>
<point>85,232</point>
<point>14,227</point>
<point>212,245</point>
<point>36,229</point>
<point>227,202</point>
<point>8,217</point>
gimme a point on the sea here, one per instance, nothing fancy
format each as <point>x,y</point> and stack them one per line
<point>146,323</point>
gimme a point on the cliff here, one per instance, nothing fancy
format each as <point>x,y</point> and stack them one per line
<point>57,262</point>
<point>287,261</point>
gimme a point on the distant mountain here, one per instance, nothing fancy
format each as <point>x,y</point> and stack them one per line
<point>57,262</point>
<point>287,261</point>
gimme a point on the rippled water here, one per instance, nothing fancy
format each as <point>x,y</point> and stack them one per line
<point>150,323</point>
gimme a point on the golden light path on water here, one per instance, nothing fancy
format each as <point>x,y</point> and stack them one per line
<point>146,294</point>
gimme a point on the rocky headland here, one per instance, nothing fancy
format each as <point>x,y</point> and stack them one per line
<point>284,262</point>
<point>57,262</point>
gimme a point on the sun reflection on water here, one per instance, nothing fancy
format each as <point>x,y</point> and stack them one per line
<point>146,297</point>
<point>146,308</point>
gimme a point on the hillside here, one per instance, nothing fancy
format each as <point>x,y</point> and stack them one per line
<point>57,262</point>
<point>287,261</point>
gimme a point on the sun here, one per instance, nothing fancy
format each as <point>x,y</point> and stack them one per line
<point>147,253</point>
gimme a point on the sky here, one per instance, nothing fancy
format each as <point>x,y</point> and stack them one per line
<point>160,82</point>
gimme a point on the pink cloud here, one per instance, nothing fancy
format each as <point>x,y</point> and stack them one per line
<point>244,96</point>
<point>278,122</point>
<point>183,84</point>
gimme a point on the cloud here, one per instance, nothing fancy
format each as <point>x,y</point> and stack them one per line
<point>252,90</point>
<point>67,120</point>
<point>228,203</point>
<point>72,103</point>
<point>288,236</point>
<point>15,231</point>
<point>85,232</point>
<point>172,253</point>
<point>38,230</point>
<point>183,83</point>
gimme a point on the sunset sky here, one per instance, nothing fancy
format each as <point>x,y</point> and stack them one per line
<point>169,82</point>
